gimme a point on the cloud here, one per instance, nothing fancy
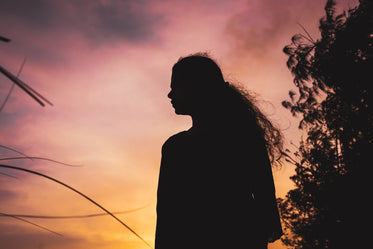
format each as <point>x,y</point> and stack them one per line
<point>34,14</point>
<point>262,24</point>
<point>126,20</point>
<point>8,195</point>
<point>97,21</point>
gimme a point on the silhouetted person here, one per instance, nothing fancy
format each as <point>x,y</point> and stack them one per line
<point>215,186</point>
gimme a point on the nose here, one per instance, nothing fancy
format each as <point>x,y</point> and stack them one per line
<point>170,94</point>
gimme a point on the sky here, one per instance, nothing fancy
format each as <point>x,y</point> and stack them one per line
<point>106,66</point>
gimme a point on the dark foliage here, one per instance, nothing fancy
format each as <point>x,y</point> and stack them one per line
<point>329,207</point>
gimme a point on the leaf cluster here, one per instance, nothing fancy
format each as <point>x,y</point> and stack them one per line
<point>333,76</point>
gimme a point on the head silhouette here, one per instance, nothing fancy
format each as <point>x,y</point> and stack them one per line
<point>198,89</point>
<point>195,82</point>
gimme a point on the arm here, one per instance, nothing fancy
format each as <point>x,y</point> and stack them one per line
<point>264,195</point>
<point>159,238</point>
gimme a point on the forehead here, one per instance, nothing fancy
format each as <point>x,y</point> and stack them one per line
<point>179,78</point>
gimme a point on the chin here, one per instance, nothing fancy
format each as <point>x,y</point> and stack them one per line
<point>180,111</point>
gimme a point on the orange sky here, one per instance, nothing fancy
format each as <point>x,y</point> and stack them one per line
<point>106,66</point>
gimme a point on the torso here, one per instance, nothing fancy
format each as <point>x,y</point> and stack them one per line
<point>204,186</point>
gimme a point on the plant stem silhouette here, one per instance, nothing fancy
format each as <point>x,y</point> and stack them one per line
<point>12,87</point>
<point>75,216</point>
<point>29,222</point>
<point>80,193</point>
<point>14,150</point>
<point>38,158</point>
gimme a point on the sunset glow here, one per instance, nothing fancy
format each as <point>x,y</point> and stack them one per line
<point>106,66</point>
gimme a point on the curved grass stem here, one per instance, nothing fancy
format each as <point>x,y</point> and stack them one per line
<point>81,194</point>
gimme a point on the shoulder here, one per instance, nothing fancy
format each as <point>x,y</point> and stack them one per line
<point>173,141</point>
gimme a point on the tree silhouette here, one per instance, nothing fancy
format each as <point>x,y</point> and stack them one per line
<point>329,207</point>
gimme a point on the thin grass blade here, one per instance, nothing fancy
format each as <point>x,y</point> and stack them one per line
<point>7,97</point>
<point>76,216</point>
<point>4,39</point>
<point>18,83</point>
<point>35,92</point>
<point>39,158</point>
<point>5,174</point>
<point>81,194</point>
<point>14,150</point>
<point>29,222</point>
<point>13,84</point>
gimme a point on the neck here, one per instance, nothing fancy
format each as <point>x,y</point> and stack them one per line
<point>206,122</point>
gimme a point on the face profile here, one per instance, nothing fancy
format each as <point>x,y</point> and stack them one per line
<point>193,85</point>
<point>180,96</point>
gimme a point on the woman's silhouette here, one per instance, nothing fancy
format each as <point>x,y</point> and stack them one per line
<point>215,186</point>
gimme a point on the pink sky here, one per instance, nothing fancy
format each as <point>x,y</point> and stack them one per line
<point>106,66</point>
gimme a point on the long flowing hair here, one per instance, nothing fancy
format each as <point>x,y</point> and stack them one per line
<point>235,100</point>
